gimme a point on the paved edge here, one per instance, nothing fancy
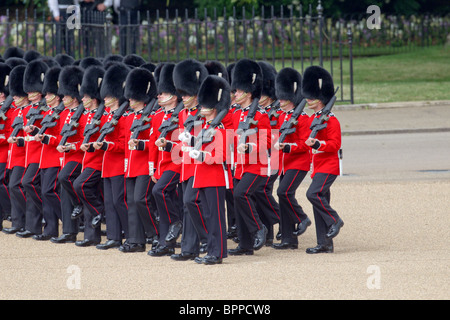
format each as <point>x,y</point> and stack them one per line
<point>404,104</point>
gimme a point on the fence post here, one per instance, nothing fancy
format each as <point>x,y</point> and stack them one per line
<point>320,11</point>
<point>350,56</point>
<point>109,19</point>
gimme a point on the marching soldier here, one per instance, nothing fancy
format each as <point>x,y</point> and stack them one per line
<point>140,90</point>
<point>212,175</point>
<point>167,162</point>
<point>318,89</point>
<point>16,152</point>
<point>69,82</point>
<point>251,158</point>
<point>294,159</point>
<point>88,185</point>
<point>188,75</point>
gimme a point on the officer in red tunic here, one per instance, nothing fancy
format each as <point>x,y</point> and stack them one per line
<point>113,166</point>
<point>251,158</point>
<point>140,89</point>
<point>212,176</point>
<point>294,159</point>
<point>167,162</point>
<point>318,89</point>
<point>187,77</point>
<point>16,152</point>
<point>89,185</point>
<point>5,129</point>
<point>69,83</point>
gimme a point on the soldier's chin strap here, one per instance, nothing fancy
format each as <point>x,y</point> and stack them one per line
<point>242,97</point>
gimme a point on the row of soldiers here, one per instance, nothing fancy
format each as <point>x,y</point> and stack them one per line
<point>156,152</point>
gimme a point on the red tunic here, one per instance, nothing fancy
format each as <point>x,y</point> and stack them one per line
<point>5,133</point>
<point>93,159</point>
<point>33,148</point>
<point>17,154</point>
<point>114,156</point>
<point>325,159</point>
<point>50,157</point>
<point>75,155</point>
<point>256,160</point>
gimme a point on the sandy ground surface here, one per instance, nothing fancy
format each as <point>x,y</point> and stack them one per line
<point>394,245</point>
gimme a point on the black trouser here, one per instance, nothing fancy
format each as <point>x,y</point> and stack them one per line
<point>194,224</point>
<point>166,199</point>
<point>231,218</point>
<point>69,197</point>
<point>319,195</point>
<point>18,198</point>
<point>51,201</point>
<point>266,205</point>
<point>213,199</point>
<point>89,187</point>
<point>31,182</point>
<point>116,210</point>
<point>247,219</point>
<point>291,211</point>
<point>5,199</point>
<point>142,222</point>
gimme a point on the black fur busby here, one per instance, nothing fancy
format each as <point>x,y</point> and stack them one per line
<point>51,81</point>
<point>150,67</point>
<point>64,59</point>
<point>215,92</point>
<point>317,84</point>
<point>13,52</point>
<point>247,76</point>
<point>269,74</point>
<point>90,61</point>
<point>31,55</point>
<point>141,85</point>
<point>157,71</point>
<point>288,85</point>
<point>92,82</point>
<point>133,60</point>
<point>113,84</point>
<point>34,76</point>
<point>14,62</point>
<point>70,80</point>
<point>16,77</point>
<point>188,75</point>
<point>5,70</point>
<point>165,83</point>
<point>50,62</point>
<point>216,68</point>
<point>230,68</point>
<point>112,57</point>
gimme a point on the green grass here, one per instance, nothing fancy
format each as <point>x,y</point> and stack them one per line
<point>419,75</point>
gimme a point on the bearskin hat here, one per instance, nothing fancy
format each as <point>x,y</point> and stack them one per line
<point>269,73</point>
<point>51,80</point>
<point>247,76</point>
<point>216,68</point>
<point>92,82</point>
<point>70,80</point>
<point>64,59</point>
<point>13,52</point>
<point>150,67</point>
<point>230,68</point>
<point>16,77</point>
<point>215,92</point>
<point>288,85</point>
<point>317,84</point>
<point>31,55</point>
<point>188,75</point>
<point>14,62</point>
<point>34,76</point>
<point>133,60</point>
<point>157,71</point>
<point>114,81</point>
<point>141,85</point>
<point>90,61</point>
<point>5,70</point>
<point>165,83</point>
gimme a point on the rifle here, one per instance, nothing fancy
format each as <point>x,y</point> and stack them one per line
<point>49,120</point>
<point>143,123</point>
<point>207,135</point>
<point>243,129</point>
<point>5,107</point>
<point>321,122</point>
<point>273,113</point>
<point>17,126</point>
<point>192,121</point>
<point>94,126</point>
<point>288,127</point>
<point>36,114</point>
<point>110,126</point>
<point>170,124</point>
<point>69,129</point>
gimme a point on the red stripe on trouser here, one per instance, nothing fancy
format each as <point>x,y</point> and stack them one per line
<point>199,212</point>
<point>6,187</point>
<point>249,202</point>
<point>125,193</point>
<point>84,195</point>
<point>220,224</point>
<point>321,199</point>
<point>292,207</point>
<point>148,208</point>
<point>23,175</point>
<point>71,184</point>
<point>54,188</point>
<point>267,197</point>
<point>32,184</point>
<point>164,198</point>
